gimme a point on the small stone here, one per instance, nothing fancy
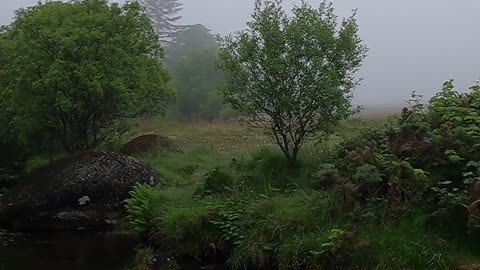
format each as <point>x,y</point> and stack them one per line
<point>83,200</point>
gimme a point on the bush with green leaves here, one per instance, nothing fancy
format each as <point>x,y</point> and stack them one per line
<point>215,181</point>
<point>266,169</point>
<point>142,210</point>
<point>74,70</point>
<point>430,148</point>
<point>325,177</point>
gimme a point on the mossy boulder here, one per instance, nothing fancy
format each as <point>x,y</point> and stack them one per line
<point>149,143</point>
<point>83,190</point>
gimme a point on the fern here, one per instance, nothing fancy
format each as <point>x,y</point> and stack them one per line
<point>141,208</point>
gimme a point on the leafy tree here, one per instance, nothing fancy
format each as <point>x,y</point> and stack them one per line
<point>76,69</point>
<point>192,63</point>
<point>196,78</point>
<point>193,38</point>
<point>164,16</point>
<point>293,75</point>
<point>10,148</point>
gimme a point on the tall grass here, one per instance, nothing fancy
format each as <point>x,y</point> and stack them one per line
<point>274,219</point>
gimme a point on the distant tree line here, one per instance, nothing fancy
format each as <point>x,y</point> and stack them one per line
<point>192,61</point>
<point>191,58</point>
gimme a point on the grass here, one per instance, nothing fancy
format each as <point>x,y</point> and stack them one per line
<point>39,161</point>
<point>187,167</point>
<point>271,217</point>
<point>219,137</point>
<point>206,146</point>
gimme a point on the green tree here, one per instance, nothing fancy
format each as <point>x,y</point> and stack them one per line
<point>192,62</point>
<point>164,14</point>
<point>10,148</point>
<point>76,69</point>
<point>293,75</point>
<point>196,78</point>
<point>192,39</point>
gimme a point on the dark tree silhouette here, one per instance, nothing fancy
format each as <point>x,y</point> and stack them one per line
<point>164,14</point>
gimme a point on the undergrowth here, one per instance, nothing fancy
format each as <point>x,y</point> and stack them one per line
<point>397,194</point>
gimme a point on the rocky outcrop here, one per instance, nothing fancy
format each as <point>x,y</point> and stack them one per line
<point>149,143</point>
<point>84,190</point>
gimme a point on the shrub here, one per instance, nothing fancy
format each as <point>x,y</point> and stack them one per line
<point>216,181</point>
<point>324,249</point>
<point>368,173</point>
<point>264,169</point>
<point>142,210</point>
<point>325,177</point>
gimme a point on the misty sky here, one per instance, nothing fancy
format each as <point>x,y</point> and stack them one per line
<point>413,44</point>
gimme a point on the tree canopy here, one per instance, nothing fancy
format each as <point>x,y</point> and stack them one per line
<point>192,61</point>
<point>164,14</point>
<point>192,39</point>
<point>73,70</point>
<point>293,75</point>
<point>196,79</point>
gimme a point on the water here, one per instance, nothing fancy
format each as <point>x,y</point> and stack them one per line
<point>67,250</point>
<point>80,250</point>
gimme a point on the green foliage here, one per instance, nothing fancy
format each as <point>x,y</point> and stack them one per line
<point>192,62</point>
<point>142,209</point>
<point>192,39</point>
<point>185,221</point>
<point>185,168</point>
<point>368,173</point>
<point>39,161</point>
<point>264,169</point>
<point>196,79</point>
<point>326,176</point>
<point>262,66</point>
<point>401,245</point>
<point>229,219</point>
<point>429,150</point>
<point>313,251</point>
<point>216,181</point>
<point>268,222</point>
<point>360,200</point>
<point>144,259</point>
<point>83,66</point>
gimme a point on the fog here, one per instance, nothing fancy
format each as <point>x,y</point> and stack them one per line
<point>413,44</point>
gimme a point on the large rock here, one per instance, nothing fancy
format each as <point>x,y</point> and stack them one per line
<point>149,143</point>
<point>8,178</point>
<point>84,190</point>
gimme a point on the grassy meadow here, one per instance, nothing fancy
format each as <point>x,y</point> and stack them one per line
<point>231,197</point>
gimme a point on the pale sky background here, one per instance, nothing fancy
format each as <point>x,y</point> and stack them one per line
<point>414,44</point>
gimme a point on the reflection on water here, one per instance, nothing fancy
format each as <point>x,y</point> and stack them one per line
<point>68,250</point>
